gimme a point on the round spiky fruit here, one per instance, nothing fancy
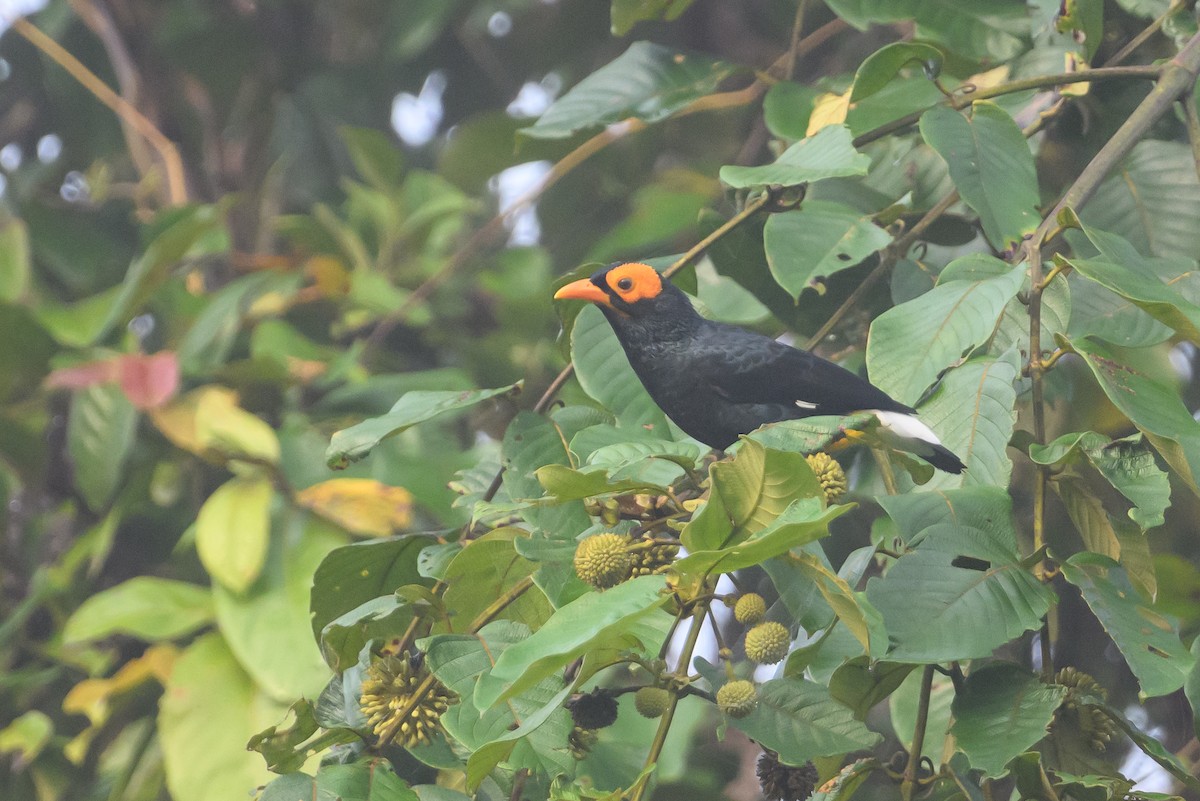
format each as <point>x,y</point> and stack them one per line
<point>781,782</point>
<point>830,474</point>
<point>767,643</point>
<point>737,698</point>
<point>750,609</point>
<point>388,695</point>
<point>594,710</point>
<point>603,560</point>
<point>652,702</point>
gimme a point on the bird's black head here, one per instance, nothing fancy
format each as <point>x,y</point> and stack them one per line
<point>630,291</point>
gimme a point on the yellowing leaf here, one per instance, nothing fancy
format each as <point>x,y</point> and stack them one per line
<point>233,530</point>
<point>829,109</point>
<point>209,423</point>
<point>177,420</point>
<point>989,79</point>
<point>91,697</point>
<point>360,505</point>
<point>225,427</point>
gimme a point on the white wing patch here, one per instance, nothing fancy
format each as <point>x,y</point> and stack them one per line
<point>905,426</point>
<point>806,404</point>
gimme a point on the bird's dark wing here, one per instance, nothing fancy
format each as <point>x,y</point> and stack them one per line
<point>744,367</point>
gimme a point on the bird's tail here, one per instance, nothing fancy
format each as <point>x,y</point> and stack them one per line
<point>905,432</point>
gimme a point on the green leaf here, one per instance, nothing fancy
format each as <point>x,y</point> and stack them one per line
<point>190,230</point>
<point>1002,711</point>
<point>933,598</point>
<point>354,443</point>
<point>566,484</point>
<point>343,638</point>
<point>1102,313</point>
<point>904,706</point>
<point>973,411</point>
<point>806,246</point>
<point>1153,749</point>
<point>1191,686</point>
<point>27,736</point>
<point>532,441</point>
<point>355,574</point>
<point>862,683</point>
<point>1155,408</point>
<point>482,572</point>
<point>990,30</point>
<point>1087,514</point>
<point>828,153</point>
<point>1147,640</point>
<point>27,352</point>
<point>787,109</point>
<point>810,434</point>
<point>648,82</point>
<point>233,530</point>
<point>209,709</point>
<point>537,714</point>
<point>14,260</point>
<point>655,461</point>
<point>802,522</point>
<point>594,620</point>
<point>627,13</point>
<point>267,626</point>
<point>1125,463</point>
<point>604,373</point>
<point>1144,289</point>
<point>369,780</point>
<point>878,69</point>
<point>910,345</point>
<point>100,434</point>
<point>1149,201</point>
<point>991,165</point>
<point>748,492</point>
<point>986,508</point>
<point>798,719</point>
<point>376,157</point>
<point>145,607</point>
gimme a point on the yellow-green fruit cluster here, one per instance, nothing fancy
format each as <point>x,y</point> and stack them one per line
<point>830,474</point>
<point>767,643</point>
<point>652,702</point>
<point>1097,727</point>
<point>603,560</point>
<point>654,559</point>
<point>580,741</point>
<point>750,609</point>
<point>388,696</point>
<point>737,698</point>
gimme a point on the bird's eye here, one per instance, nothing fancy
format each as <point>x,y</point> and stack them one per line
<point>625,284</point>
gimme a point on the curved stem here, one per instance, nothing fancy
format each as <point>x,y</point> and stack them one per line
<point>125,111</point>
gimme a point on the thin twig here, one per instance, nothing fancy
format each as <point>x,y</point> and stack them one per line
<point>909,784</point>
<point>793,50</point>
<point>964,99</point>
<point>1143,36</point>
<point>127,113</point>
<point>699,614</point>
<point>1193,128</point>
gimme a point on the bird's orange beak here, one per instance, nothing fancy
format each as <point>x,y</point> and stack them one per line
<point>583,289</point>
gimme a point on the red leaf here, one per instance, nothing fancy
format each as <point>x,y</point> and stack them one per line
<point>149,381</point>
<point>82,376</point>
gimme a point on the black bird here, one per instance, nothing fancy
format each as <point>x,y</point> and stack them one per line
<point>717,381</point>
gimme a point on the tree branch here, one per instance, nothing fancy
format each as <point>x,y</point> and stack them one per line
<point>172,162</point>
